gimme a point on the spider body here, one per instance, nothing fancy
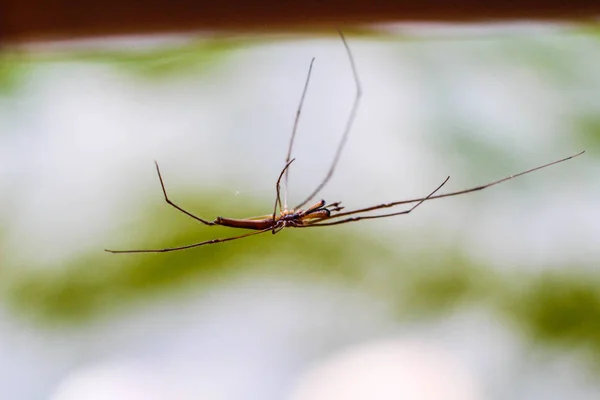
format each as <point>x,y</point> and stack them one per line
<point>286,218</point>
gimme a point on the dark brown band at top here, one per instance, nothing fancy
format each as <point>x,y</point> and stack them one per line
<point>24,20</point>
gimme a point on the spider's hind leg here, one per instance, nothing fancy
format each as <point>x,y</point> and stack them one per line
<point>169,202</point>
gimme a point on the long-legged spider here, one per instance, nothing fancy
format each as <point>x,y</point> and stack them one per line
<point>320,213</point>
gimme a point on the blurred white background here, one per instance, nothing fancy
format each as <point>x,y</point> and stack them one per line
<point>356,311</point>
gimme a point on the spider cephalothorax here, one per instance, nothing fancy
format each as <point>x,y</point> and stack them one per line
<point>315,213</point>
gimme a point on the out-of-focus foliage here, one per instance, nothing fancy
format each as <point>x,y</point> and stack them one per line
<point>180,60</point>
<point>11,72</point>
<point>151,63</point>
<point>177,57</point>
<point>561,308</point>
<point>588,127</point>
<point>90,283</point>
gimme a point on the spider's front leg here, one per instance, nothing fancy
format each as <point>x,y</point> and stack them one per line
<point>363,217</point>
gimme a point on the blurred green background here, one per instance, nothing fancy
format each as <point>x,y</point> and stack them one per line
<point>506,278</point>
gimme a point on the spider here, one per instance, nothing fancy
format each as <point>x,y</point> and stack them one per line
<point>320,213</point>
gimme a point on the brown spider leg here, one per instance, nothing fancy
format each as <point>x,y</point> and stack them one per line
<point>440,196</point>
<point>162,184</point>
<point>354,219</point>
<point>277,187</point>
<point>213,241</point>
<point>334,207</point>
<point>347,128</point>
<point>294,129</point>
<point>277,229</point>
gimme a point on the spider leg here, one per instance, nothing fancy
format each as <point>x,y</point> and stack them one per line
<point>294,129</point>
<point>347,128</point>
<point>213,241</point>
<point>277,187</point>
<point>359,218</point>
<point>162,184</point>
<point>334,207</point>
<point>465,191</point>
<point>277,229</point>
